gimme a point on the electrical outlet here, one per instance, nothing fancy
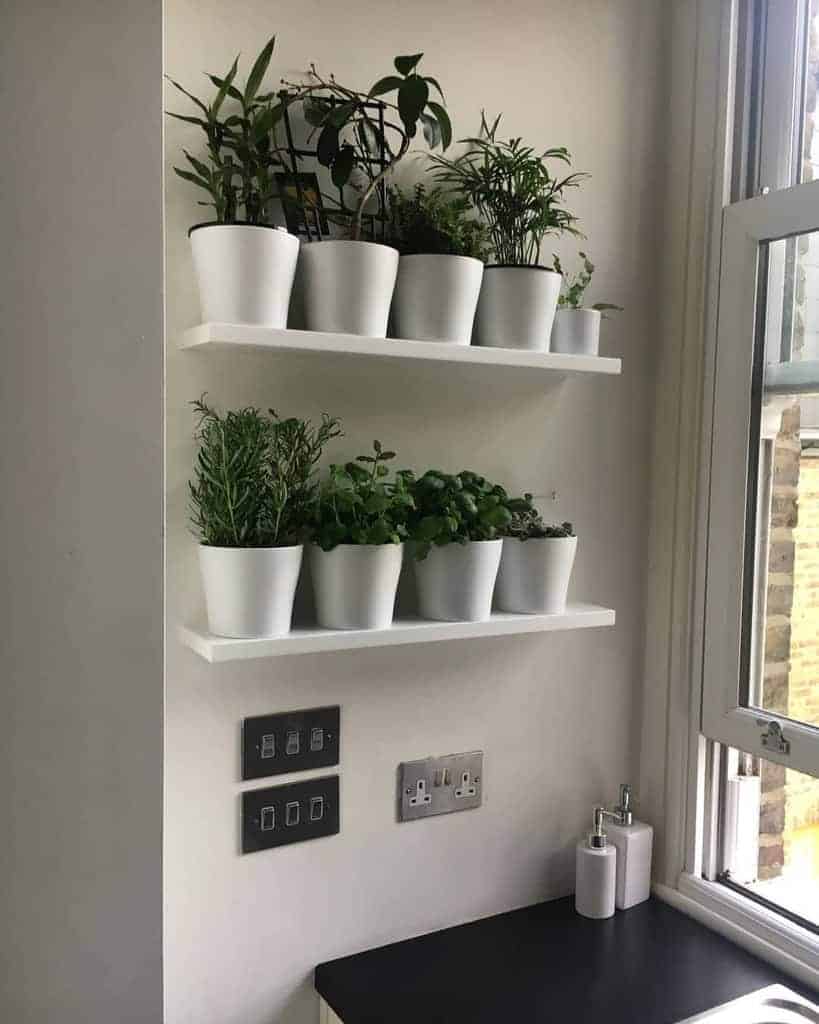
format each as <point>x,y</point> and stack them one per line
<point>440,785</point>
<point>291,813</point>
<point>291,741</point>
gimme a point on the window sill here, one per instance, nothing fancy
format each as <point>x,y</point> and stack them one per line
<point>765,934</point>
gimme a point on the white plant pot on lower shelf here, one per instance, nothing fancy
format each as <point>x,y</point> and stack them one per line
<point>355,584</point>
<point>245,273</point>
<point>534,574</point>
<point>249,592</point>
<point>455,582</point>
<point>576,332</point>
<point>347,286</point>
<point>516,307</point>
<point>436,297</point>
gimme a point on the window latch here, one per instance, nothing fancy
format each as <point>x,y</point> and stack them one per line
<point>773,738</point>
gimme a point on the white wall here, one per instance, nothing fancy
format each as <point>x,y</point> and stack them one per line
<point>81,513</point>
<point>558,716</point>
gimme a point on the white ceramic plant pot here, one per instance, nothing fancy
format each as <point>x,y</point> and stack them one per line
<point>534,574</point>
<point>576,332</point>
<point>516,307</point>
<point>455,582</point>
<point>348,286</point>
<point>436,298</point>
<point>355,584</point>
<point>249,591</point>
<point>245,273</point>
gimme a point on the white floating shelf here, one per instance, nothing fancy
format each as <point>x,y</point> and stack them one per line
<point>271,339</point>
<point>403,631</point>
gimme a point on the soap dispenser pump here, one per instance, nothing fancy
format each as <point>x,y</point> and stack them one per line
<point>633,841</point>
<point>595,872</point>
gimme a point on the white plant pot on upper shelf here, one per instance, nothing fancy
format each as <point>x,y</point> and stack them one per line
<point>534,574</point>
<point>516,307</point>
<point>436,297</point>
<point>245,272</point>
<point>249,592</point>
<point>576,331</point>
<point>347,286</point>
<point>455,582</point>
<point>355,585</point>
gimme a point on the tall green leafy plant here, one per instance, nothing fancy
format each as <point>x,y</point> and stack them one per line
<point>432,221</point>
<point>352,133</point>
<point>358,504</point>
<point>254,479</point>
<point>241,151</point>
<point>510,185</point>
<point>574,288</point>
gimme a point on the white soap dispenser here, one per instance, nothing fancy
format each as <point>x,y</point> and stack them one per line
<point>633,841</point>
<point>595,872</point>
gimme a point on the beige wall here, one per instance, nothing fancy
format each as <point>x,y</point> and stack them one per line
<point>558,716</point>
<point>81,513</point>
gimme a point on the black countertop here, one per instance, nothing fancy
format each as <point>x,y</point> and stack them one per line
<point>647,965</point>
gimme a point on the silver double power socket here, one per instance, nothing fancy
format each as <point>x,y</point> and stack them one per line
<point>440,785</point>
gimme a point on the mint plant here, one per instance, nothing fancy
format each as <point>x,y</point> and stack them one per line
<point>527,523</point>
<point>358,504</point>
<point>435,222</point>
<point>574,288</point>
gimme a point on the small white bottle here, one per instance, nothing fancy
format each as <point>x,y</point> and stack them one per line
<point>595,873</point>
<point>633,841</point>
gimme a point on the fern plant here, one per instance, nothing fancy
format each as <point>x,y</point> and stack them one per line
<point>435,222</point>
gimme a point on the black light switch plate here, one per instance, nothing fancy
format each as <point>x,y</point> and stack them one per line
<point>291,813</point>
<point>291,741</point>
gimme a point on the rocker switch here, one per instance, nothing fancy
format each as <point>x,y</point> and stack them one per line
<point>317,738</point>
<point>268,747</point>
<point>292,745</point>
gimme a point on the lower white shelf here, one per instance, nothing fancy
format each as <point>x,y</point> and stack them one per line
<point>311,640</point>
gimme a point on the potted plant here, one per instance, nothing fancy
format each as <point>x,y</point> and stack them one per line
<point>576,327</point>
<point>348,283</point>
<point>244,265</point>
<point>509,184</point>
<point>250,500</point>
<point>536,564</point>
<point>457,528</point>
<point>442,253</point>
<point>358,533</point>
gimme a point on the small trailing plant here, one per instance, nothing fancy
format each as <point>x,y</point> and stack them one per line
<point>457,508</point>
<point>241,148</point>
<point>358,504</point>
<point>435,222</point>
<point>527,523</point>
<point>254,481</point>
<point>574,288</point>
<point>510,186</point>
<point>353,129</point>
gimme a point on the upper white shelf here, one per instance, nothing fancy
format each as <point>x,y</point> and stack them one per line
<point>249,336</point>
<point>311,640</point>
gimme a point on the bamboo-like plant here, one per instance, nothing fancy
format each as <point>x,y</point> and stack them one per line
<point>510,185</point>
<point>241,146</point>
<point>354,131</point>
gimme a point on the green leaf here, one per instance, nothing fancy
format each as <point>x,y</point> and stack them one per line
<point>343,166</point>
<point>258,71</point>
<point>340,115</point>
<point>198,165</point>
<point>434,82</point>
<point>226,84</point>
<point>190,95</point>
<point>232,91</point>
<point>412,98</point>
<point>404,65</point>
<point>432,130</point>
<point>384,85</point>
<point>607,305</point>
<point>189,120</point>
<point>327,146</point>
<point>369,136</point>
<point>444,123</point>
<point>192,178</point>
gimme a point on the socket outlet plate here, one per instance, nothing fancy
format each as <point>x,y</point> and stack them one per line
<point>290,813</point>
<point>440,785</point>
<point>290,741</point>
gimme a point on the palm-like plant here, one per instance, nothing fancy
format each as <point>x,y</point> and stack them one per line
<point>510,185</point>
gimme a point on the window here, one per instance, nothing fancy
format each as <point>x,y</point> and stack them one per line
<point>761,633</point>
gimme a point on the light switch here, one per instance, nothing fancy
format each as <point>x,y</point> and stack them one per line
<point>268,819</point>
<point>316,808</point>
<point>291,813</point>
<point>268,748</point>
<point>292,745</point>
<point>290,741</point>
<point>316,738</point>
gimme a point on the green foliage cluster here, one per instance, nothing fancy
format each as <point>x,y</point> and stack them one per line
<point>358,504</point>
<point>456,508</point>
<point>435,222</point>
<point>574,288</point>
<point>254,481</point>
<point>527,523</point>
<point>351,131</point>
<point>509,184</point>
<point>240,129</point>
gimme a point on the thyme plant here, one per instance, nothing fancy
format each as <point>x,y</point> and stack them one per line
<point>574,288</point>
<point>351,134</point>
<point>435,222</point>
<point>509,184</point>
